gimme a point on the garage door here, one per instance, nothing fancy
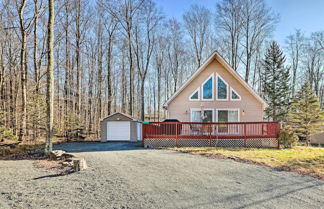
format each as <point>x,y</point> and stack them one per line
<point>118,131</point>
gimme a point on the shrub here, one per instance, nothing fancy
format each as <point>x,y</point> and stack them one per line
<point>287,137</point>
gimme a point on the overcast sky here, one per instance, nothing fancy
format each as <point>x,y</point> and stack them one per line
<point>307,15</point>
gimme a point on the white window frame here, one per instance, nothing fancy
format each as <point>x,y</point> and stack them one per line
<point>227,88</point>
<point>231,89</point>
<point>213,88</point>
<point>229,109</point>
<point>199,109</point>
<point>198,89</point>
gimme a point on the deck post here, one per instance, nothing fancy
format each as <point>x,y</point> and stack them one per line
<point>244,134</point>
<point>210,135</point>
<point>177,143</point>
<point>143,132</point>
<point>279,127</point>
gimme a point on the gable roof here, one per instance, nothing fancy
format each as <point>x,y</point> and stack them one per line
<point>124,114</point>
<point>221,60</point>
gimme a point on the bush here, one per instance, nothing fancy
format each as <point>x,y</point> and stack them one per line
<point>287,137</point>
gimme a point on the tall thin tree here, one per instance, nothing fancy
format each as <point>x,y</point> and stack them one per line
<point>50,76</point>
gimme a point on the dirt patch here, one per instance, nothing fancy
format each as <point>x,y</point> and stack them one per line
<point>14,154</point>
<point>60,167</point>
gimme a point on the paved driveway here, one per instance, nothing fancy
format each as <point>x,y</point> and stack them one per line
<point>123,175</point>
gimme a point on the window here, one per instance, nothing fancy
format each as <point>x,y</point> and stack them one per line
<point>208,88</point>
<point>196,116</point>
<point>230,115</point>
<point>235,95</point>
<point>195,96</point>
<point>222,88</point>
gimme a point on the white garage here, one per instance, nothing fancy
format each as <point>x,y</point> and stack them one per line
<point>120,127</point>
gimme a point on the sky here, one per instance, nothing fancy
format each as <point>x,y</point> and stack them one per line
<point>307,15</point>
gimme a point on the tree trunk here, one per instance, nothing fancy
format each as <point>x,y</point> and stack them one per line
<point>23,72</point>
<point>109,94</point>
<point>50,76</point>
<point>78,62</point>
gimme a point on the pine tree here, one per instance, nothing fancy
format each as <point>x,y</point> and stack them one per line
<point>5,133</point>
<point>275,81</point>
<point>305,115</point>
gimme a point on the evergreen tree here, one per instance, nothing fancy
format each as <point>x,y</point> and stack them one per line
<point>305,115</point>
<point>5,133</point>
<point>275,80</point>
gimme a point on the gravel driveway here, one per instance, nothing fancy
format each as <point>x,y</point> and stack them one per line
<point>123,175</point>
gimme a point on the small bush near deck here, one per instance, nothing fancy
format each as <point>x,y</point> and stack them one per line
<point>287,137</point>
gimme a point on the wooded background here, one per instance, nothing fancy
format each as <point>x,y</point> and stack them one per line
<point>125,55</point>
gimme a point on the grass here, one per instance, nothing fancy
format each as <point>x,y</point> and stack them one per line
<point>305,160</point>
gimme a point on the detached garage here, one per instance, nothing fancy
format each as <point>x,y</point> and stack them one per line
<point>120,127</point>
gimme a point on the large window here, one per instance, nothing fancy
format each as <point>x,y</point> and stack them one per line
<point>230,115</point>
<point>222,89</point>
<point>208,89</point>
<point>197,116</point>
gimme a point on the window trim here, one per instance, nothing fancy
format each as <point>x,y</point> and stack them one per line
<point>199,109</point>
<point>231,89</point>
<point>228,109</point>
<point>213,88</point>
<point>227,88</point>
<point>198,89</point>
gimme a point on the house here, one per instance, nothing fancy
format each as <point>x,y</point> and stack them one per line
<point>215,93</point>
<point>120,127</point>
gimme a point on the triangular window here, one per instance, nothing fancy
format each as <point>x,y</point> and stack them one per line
<point>222,89</point>
<point>195,95</point>
<point>208,88</point>
<point>235,95</point>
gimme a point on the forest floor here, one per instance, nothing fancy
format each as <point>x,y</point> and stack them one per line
<point>124,175</point>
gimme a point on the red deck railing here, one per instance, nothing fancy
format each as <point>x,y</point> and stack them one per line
<point>192,130</point>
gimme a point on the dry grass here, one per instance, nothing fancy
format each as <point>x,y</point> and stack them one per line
<point>305,160</point>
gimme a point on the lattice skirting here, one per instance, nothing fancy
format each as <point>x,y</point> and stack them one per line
<point>258,143</point>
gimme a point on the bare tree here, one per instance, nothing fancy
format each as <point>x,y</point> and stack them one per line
<point>295,46</point>
<point>314,61</point>
<point>258,23</point>
<point>145,39</point>
<point>111,26</point>
<point>50,76</point>
<point>125,12</point>
<point>23,66</point>
<point>229,25</point>
<point>174,49</point>
<point>159,58</point>
<point>197,24</point>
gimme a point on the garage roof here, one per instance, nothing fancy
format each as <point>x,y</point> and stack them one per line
<point>123,114</point>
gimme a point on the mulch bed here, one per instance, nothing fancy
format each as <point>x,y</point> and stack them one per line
<point>60,167</point>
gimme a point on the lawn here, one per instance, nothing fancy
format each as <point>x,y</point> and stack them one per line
<point>305,160</point>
